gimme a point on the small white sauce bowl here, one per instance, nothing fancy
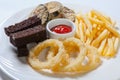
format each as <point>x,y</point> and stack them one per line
<point>60,21</point>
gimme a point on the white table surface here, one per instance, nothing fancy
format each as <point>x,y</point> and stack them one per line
<point>9,7</point>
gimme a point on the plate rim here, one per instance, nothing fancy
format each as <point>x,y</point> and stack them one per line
<point>3,70</point>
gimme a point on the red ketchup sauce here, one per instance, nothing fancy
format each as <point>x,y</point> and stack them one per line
<point>61,29</point>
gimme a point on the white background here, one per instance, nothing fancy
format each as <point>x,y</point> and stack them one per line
<point>9,7</point>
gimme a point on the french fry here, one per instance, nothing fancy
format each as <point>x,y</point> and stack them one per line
<point>96,21</point>
<point>105,50</point>
<point>94,25</point>
<point>101,47</point>
<point>113,23</point>
<point>77,32</point>
<point>100,16</point>
<point>113,38</point>
<point>87,22</point>
<point>112,30</point>
<point>94,32</point>
<point>116,44</point>
<point>81,32</point>
<point>89,14</point>
<point>100,38</point>
<point>104,18</point>
<point>79,17</point>
<point>98,32</point>
<point>95,17</point>
<point>76,22</point>
<point>110,52</point>
<point>108,18</point>
<point>89,41</point>
<point>88,33</point>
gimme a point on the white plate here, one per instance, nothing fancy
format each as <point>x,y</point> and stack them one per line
<point>18,69</point>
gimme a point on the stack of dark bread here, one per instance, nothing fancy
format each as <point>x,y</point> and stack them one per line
<point>25,32</point>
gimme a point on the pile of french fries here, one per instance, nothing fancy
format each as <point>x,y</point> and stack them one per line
<point>98,30</point>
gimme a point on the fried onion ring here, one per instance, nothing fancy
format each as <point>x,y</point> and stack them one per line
<point>60,57</point>
<point>75,65</point>
<point>50,63</point>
